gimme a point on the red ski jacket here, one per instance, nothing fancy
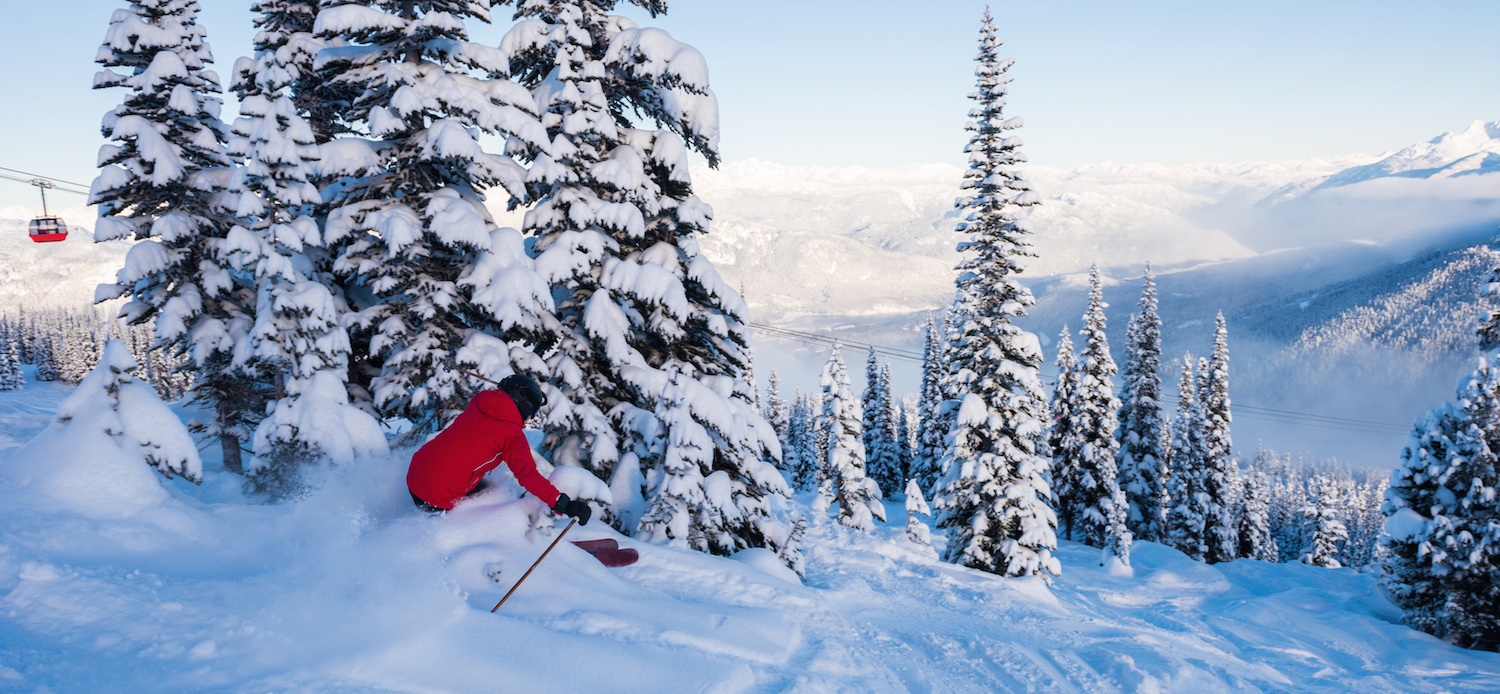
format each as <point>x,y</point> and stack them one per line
<point>450,465</point>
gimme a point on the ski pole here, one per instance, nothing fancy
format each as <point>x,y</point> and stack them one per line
<point>533,566</point>
<point>475,375</point>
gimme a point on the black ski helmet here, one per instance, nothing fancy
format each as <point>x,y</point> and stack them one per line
<point>527,395</point>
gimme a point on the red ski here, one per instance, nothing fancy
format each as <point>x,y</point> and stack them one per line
<point>608,552</point>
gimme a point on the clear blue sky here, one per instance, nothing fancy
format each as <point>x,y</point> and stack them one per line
<point>835,82</point>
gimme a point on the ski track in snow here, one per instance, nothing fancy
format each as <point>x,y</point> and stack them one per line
<point>352,590</point>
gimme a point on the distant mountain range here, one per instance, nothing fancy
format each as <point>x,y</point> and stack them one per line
<point>1474,151</point>
<point>863,243</point>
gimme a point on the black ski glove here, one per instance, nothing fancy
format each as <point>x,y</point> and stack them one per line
<point>573,507</point>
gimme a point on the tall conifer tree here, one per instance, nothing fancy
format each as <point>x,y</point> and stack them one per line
<point>1187,515</point>
<point>1442,549</point>
<point>297,337</point>
<point>995,501</point>
<point>928,453</point>
<point>1095,423</point>
<point>1062,442</point>
<point>440,287</point>
<point>617,226</point>
<point>885,460</point>
<point>844,466</point>
<point>1142,429</point>
<point>1256,541</point>
<point>11,377</point>
<point>1328,530</point>
<point>1221,529</point>
<point>161,182</point>
<point>873,418</point>
<point>777,415</point>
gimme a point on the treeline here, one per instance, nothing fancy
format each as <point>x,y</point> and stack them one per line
<point>1272,507</point>
<point>66,344</point>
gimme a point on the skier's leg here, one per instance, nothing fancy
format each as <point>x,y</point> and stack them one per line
<point>424,505</point>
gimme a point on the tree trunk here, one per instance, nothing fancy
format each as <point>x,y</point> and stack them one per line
<point>231,446</point>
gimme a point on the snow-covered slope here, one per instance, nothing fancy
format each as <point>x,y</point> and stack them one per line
<point>351,589</point>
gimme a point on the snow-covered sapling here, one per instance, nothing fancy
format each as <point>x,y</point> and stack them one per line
<point>844,459</point>
<point>130,412</point>
<point>1115,556</point>
<point>916,530</point>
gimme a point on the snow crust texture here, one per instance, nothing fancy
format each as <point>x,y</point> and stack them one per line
<point>351,589</point>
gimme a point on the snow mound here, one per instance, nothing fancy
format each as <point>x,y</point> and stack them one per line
<point>97,457</point>
<point>765,560</point>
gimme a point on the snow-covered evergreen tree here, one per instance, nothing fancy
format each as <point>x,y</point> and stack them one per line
<point>137,421</point>
<point>928,453</point>
<point>11,377</point>
<point>1190,505</point>
<point>1417,495</point>
<point>1220,527</point>
<point>72,364</point>
<point>285,39</point>
<point>1328,530</point>
<point>1363,519</point>
<point>1062,442</point>
<point>440,286</point>
<point>873,418</point>
<point>904,437</point>
<point>916,530</point>
<point>776,414</point>
<point>1442,558</point>
<point>297,340</point>
<point>1117,537</point>
<point>46,364</point>
<point>1256,541</point>
<point>801,461</point>
<point>1489,328</point>
<point>161,181</point>
<point>995,500</point>
<point>1142,426</point>
<point>1095,423</point>
<point>885,460</point>
<point>857,495</point>
<point>616,226</point>
<point>692,506</point>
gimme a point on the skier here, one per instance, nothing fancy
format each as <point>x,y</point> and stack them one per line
<point>453,464</point>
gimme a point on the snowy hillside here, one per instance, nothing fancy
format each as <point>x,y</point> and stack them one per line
<point>61,274</point>
<point>353,590</point>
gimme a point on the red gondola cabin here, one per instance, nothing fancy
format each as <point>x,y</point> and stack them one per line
<point>45,229</point>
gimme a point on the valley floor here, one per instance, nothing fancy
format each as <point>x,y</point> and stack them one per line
<point>351,589</point>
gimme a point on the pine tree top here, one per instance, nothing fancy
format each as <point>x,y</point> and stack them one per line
<point>994,191</point>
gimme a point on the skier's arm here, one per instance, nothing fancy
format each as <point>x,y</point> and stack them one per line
<point>523,466</point>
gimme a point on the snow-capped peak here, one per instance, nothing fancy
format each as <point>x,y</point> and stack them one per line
<point>1475,150</point>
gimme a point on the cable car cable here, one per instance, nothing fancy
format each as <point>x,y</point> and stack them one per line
<point>28,181</point>
<point>35,175</point>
